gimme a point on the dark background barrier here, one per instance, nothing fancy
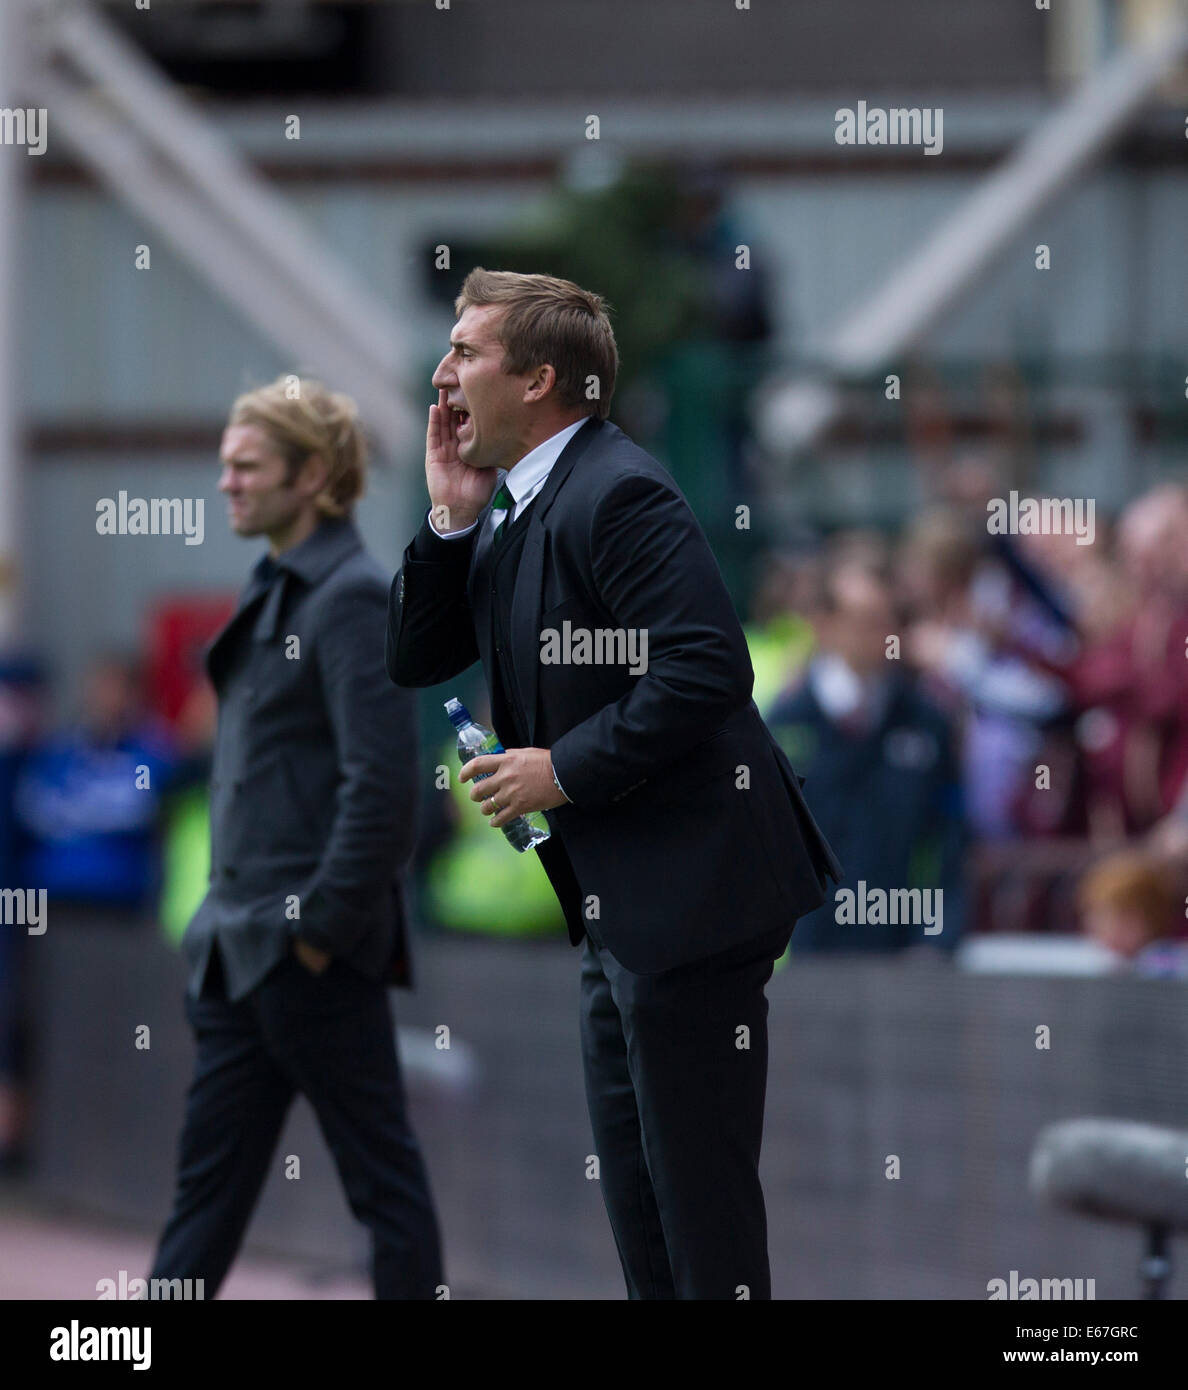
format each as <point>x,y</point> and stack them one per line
<point>870,1058</point>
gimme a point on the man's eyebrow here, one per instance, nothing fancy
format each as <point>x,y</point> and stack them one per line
<point>456,343</point>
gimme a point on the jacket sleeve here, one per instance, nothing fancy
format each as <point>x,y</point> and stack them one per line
<point>374,725</point>
<point>654,571</point>
<point>430,635</point>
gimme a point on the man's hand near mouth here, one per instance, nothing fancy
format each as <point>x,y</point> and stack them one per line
<point>458,493</point>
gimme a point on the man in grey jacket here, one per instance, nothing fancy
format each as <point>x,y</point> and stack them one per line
<point>313,797</point>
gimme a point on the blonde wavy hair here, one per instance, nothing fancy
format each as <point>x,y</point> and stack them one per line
<point>303,418</point>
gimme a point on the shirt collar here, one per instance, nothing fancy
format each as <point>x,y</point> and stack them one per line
<point>529,474</point>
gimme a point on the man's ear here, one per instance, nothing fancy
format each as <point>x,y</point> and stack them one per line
<point>313,475</point>
<point>540,383</point>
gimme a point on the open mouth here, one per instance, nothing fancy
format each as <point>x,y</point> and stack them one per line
<point>461,419</point>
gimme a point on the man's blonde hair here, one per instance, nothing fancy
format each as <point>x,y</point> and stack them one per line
<point>303,418</point>
<point>550,320</point>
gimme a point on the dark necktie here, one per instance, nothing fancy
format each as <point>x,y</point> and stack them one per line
<point>504,499</point>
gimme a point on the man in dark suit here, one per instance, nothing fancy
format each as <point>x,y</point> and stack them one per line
<point>313,795</point>
<point>681,848</point>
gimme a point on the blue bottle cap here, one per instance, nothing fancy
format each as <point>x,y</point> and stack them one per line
<point>459,714</point>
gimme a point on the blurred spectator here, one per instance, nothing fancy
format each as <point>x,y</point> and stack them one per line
<point>1168,840</point>
<point>977,637</point>
<point>879,765</point>
<point>88,798</point>
<point>1130,682</point>
<point>1129,902</point>
<point>780,634</point>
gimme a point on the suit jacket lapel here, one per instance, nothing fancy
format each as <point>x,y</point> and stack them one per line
<point>266,623</point>
<point>309,562</point>
<point>220,648</point>
<point>480,596</point>
<point>264,602</point>
<point>525,620</point>
<point>527,597</point>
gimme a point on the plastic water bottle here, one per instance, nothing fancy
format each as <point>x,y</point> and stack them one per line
<point>475,740</point>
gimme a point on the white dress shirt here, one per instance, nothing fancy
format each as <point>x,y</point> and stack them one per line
<point>523,480</point>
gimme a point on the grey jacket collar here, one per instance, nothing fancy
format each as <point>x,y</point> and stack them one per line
<point>321,552</point>
<point>334,540</point>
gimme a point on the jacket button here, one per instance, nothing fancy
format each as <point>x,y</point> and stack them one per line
<point>230,872</point>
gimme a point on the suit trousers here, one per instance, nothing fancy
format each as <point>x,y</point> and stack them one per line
<point>330,1037</point>
<point>676,1080</point>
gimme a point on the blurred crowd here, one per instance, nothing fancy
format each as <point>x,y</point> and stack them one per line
<point>97,821</point>
<point>1001,716</point>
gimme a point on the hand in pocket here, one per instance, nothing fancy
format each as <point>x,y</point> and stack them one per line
<point>314,960</point>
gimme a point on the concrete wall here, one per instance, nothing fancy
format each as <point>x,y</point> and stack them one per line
<point>869,1058</point>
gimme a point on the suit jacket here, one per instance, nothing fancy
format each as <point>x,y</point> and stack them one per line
<point>687,832</point>
<point>314,782</point>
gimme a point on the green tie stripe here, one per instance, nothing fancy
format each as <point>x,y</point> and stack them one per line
<point>505,501</point>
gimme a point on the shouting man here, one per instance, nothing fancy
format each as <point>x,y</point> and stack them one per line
<point>681,849</point>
